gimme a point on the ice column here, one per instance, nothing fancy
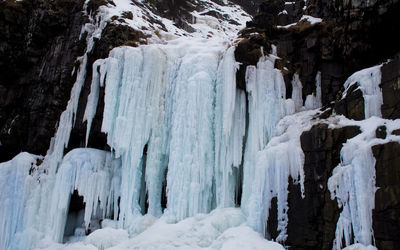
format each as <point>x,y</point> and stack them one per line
<point>230,126</point>
<point>297,92</point>
<point>353,185</point>
<point>135,114</point>
<point>191,158</point>
<point>267,105</point>
<point>314,101</point>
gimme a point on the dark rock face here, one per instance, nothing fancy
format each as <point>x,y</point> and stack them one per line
<point>352,105</point>
<point>391,89</point>
<point>351,37</point>
<point>312,220</point>
<point>38,48</point>
<point>39,43</point>
<point>386,215</point>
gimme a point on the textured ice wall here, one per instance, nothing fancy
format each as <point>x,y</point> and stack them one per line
<point>172,106</point>
<point>230,129</point>
<point>96,175</point>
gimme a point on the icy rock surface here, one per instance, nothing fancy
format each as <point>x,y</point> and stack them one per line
<point>368,81</point>
<point>273,152</point>
<point>353,181</point>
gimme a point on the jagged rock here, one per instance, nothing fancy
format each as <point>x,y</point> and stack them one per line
<point>381,132</point>
<point>352,105</point>
<point>386,215</point>
<point>312,220</point>
<point>248,52</point>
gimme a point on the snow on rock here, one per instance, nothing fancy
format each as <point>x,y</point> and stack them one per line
<point>312,20</point>
<point>160,29</point>
<point>368,81</point>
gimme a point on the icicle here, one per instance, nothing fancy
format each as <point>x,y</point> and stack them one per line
<point>93,98</point>
<point>297,92</point>
<point>136,114</point>
<point>314,101</point>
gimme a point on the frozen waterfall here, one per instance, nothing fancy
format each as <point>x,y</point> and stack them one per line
<point>181,133</point>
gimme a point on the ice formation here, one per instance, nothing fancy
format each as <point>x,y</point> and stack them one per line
<point>273,152</point>
<point>96,175</point>
<point>353,181</point>
<point>173,115</point>
<point>176,123</point>
<point>16,189</point>
<point>314,101</point>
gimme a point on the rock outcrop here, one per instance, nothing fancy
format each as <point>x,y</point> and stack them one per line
<point>39,44</point>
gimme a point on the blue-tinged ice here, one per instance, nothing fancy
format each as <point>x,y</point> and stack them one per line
<point>96,175</point>
<point>17,185</point>
<point>136,114</point>
<point>230,128</point>
<point>267,105</point>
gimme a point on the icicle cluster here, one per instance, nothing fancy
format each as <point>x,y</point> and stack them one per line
<point>273,152</point>
<point>96,176</point>
<point>162,105</point>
